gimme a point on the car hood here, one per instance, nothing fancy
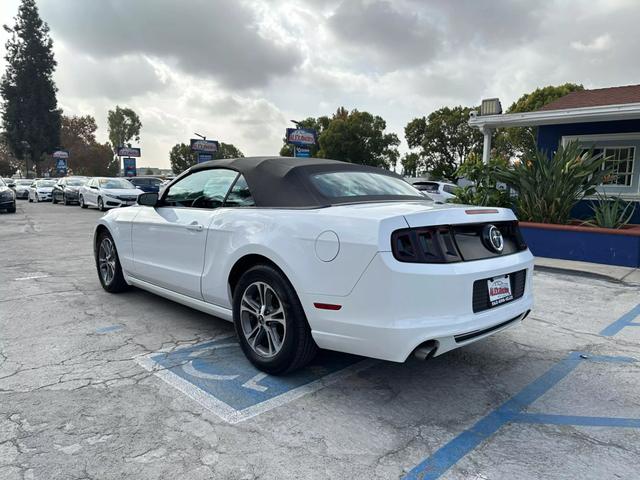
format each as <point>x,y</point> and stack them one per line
<point>121,191</point>
<point>44,189</point>
<point>421,213</point>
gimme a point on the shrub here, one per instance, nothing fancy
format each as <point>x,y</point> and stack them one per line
<point>548,188</point>
<point>485,191</point>
<point>610,212</point>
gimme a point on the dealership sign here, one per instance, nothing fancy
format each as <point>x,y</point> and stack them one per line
<point>303,152</point>
<point>128,152</point>
<point>61,154</point>
<point>205,146</point>
<point>301,136</point>
<point>129,167</point>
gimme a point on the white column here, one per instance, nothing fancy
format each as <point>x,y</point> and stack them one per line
<point>486,149</point>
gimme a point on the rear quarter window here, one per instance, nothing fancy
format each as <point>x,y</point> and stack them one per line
<point>360,184</point>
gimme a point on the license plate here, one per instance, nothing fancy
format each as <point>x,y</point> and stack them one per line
<point>499,290</point>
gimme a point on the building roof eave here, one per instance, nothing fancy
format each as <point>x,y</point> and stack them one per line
<point>628,111</point>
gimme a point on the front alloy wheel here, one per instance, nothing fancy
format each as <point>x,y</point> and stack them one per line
<point>100,204</point>
<point>107,260</point>
<point>108,265</point>
<point>263,320</point>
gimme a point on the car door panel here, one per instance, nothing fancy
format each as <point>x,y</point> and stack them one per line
<point>168,247</point>
<point>169,240</point>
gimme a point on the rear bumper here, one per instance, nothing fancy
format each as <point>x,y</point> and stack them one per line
<point>395,307</point>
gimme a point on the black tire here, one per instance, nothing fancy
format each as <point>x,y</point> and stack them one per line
<point>12,209</point>
<point>81,202</point>
<point>298,347</point>
<point>116,283</point>
<point>30,201</point>
<point>100,204</point>
<point>64,200</point>
<point>53,198</point>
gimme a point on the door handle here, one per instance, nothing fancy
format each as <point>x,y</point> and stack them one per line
<point>195,226</point>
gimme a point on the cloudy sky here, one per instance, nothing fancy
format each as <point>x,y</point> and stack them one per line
<point>238,70</point>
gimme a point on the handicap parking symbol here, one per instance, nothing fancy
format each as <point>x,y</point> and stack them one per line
<point>217,375</point>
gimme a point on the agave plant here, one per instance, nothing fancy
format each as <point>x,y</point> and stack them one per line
<point>610,212</point>
<point>548,188</point>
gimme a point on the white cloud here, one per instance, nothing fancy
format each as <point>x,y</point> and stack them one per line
<point>598,44</point>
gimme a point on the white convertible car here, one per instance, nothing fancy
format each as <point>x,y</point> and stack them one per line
<point>311,253</point>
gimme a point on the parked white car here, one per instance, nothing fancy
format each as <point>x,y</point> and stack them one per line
<point>320,253</point>
<point>22,187</point>
<point>40,190</point>
<point>437,191</point>
<point>105,193</point>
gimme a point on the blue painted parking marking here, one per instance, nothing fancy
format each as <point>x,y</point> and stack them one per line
<point>512,412</point>
<point>625,320</point>
<point>109,329</point>
<point>217,375</point>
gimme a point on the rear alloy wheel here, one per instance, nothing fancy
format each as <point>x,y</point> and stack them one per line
<point>108,265</point>
<point>270,322</point>
<point>81,202</point>
<point>100,204</point>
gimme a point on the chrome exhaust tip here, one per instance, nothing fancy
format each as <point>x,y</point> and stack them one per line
<point>426,350</point>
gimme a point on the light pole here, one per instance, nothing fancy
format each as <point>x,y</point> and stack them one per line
<point>25,151</point>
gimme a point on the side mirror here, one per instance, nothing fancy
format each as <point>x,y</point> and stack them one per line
<point>148,199</point>
<point>11,185</point>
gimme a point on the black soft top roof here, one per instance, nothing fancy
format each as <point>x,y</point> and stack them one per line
<point>284,181</point>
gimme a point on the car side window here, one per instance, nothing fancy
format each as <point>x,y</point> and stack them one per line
<point>240,196</point>
<point>203,189</point>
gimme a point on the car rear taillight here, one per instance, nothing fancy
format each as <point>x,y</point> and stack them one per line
<point>453,243</point>
<point>425,245</point>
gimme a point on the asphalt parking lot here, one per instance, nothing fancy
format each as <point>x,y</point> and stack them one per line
<point>100,386</point>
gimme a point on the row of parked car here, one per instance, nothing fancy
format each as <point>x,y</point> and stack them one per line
<point>100,192</point>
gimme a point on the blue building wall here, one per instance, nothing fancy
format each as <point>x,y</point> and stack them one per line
<point>549,137</point>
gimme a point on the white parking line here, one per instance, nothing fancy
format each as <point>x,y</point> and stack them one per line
<point>30,278</point>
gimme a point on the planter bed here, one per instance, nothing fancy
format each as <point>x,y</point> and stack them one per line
<point>587,244</point>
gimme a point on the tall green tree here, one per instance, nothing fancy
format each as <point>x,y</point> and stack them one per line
<point>516,141</point>
<point>8,161</point>
<point>181,157</point>
<point>359,137</point>
<point>86,155</point>
<point>444,140</point>
<point>227,150</point>
<point>411,164</point>
<point>124,126</point>
<point>30,112</point>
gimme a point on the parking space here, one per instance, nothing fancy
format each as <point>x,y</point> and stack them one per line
<point>94,385</point>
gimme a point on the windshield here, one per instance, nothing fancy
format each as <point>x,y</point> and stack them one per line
<point>24,182</point>
<point>76,182</point>
<point>113,183</point>
<point>45,183</point>
<point>2,183</point>
<point>361,184</point>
